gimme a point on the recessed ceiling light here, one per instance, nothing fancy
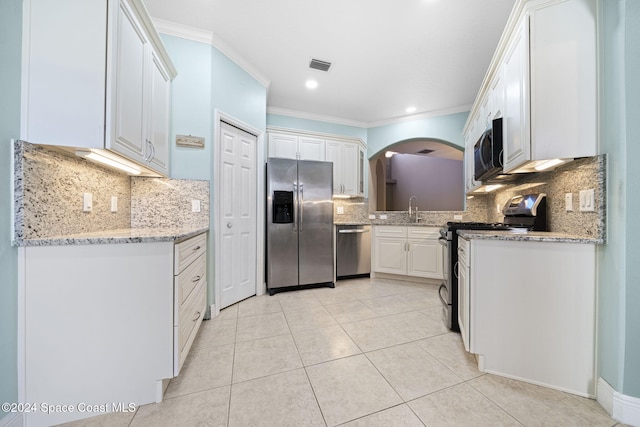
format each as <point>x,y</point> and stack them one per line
<point>411,109</point>
<point>311,84</point>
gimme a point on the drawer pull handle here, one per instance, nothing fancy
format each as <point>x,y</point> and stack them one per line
<point>195,319</point>
<point>197,248</point>
<point>196,278</point>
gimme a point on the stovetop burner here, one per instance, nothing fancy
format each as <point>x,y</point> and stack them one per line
<point>452,225</point>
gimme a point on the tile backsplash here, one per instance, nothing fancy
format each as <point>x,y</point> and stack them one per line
<point>48,189</point>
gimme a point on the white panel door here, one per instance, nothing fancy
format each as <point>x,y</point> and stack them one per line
<point>159,119</point>
<point>425,259</point>
<point>333,154</point>
<point>390,256</point>
<point>283,146</point>
<point>238,215</point>
<point>311,148</point>
<point>350,154</point>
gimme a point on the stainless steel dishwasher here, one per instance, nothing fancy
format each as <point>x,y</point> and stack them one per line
<point>353,251</point>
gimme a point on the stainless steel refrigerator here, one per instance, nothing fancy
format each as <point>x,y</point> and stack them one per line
<point>299,224</point>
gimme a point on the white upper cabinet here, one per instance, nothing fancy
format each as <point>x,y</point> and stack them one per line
<point>100,82</point>
<point>291,146</point>
<point>543,82</point>
<point>516,140</point>
<point>346,162</point>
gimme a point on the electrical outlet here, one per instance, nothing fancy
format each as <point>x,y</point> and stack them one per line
<point>372,216</point>
<point>195,205</point>
<point>568,202</point>
<point>340,210</point>
<point>498,208</point>
<point>114,204</point>
<point>457,217</point>
<point>383,216</point>
<point>87,202</point>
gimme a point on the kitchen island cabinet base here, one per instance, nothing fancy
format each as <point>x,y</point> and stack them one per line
<point>98,327</point>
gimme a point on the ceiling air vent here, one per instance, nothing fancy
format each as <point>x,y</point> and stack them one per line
<point>316,64</point>
<point>425,151</point>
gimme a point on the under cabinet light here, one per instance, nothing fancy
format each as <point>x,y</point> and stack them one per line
<point>108,161</point>
<point>548,164</point>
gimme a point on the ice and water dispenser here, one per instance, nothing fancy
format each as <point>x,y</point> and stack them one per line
<point>282,207</point>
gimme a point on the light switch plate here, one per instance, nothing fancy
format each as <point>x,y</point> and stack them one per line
<point>587,200</point>
<point>87,202</point>
<point>114,204</point>
<point>568,202</point>
<point>340,210</point>
<point>457,217</point>
<point>372,216</point>
<point>195,205</point>
<point>383,216</point>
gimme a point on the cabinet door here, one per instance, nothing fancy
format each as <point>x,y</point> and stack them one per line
<point>463,302</point>
<point>283,146</point>
<point>497,95</point>
<point>160,88</point>
<point>424,253</point>
<point>333,154</point>
<point>311,148</point>
<point>516,138</point>
<point>390,255</point>
<point>349,156</point>
<point>127,76</point>
<point>361,168</point>
<point>469,162</point>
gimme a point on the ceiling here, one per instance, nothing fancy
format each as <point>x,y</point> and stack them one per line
<point>386,55</point>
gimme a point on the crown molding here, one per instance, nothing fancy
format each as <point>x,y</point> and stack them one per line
<point>205,36</point>
<point>312,116</point>
<point>420,116</point>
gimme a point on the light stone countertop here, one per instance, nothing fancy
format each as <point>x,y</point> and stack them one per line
<point>528,236</point>
<point>123,235</point>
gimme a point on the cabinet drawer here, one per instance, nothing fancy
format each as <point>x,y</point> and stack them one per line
<point>391,231</point>
<point>190,318</point>
<point>186,252</point>
<point>188,280</point>
<point>423,232</point>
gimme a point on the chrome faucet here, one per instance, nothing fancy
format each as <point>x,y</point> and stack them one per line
<point>413,211</point>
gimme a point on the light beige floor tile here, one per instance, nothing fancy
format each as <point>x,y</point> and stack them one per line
<point>258,305</point>
<point>228,313</point>
<point>460,405</point>
<point>112,419</point>
<point>400,415</point>
<point>373,334</point>
<point>204,369</point>
<point>261,326</point>
<point>421,300</point>
<point>301,303</point>
<point>449,350</point>
<point>350,388</point>
<point>284,399</point>
<point>309,318</point>
<point>215,332</point>
<point>350,311</point>
<point>384,306</point>
<point>324,344</point>
<point>266,356</point>
<point>412,371</point>
<point>416,325</point>
<point>334,296</point>
<point>434,313</point>
<point>534,405</point>
<point>207,408</point>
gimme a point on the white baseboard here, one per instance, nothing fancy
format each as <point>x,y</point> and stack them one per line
<point>12,420</point>
<point>622,408</point>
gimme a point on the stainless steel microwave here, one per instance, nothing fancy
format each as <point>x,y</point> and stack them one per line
<point>487,153</point>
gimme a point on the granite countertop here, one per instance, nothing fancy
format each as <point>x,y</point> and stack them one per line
<point>527,236</point>
<point>123,235</point>
<point>390,223</point>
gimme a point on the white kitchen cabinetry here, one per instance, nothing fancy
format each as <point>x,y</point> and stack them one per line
<point>348,156</point>
<point>407,251</point>
<point>290,146</point>
<point>346,167</point>
<point>98,82</point>
<point>544,74</point>
<point>190,301</point>
<point>535,301</point>
<point>464,284</point>
<point>107,323</point>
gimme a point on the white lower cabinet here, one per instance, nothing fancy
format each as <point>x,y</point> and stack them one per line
<point>106,323</point>
<point>407,251</point>
<point>532,312</point>
<point>464,277</point>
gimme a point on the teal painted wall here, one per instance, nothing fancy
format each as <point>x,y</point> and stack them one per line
<point>191,112</point>
<point>316,126</point>
<point>446,128</point>
<point>10,44</point>
<point>618,279</point>
<point>207,82</point>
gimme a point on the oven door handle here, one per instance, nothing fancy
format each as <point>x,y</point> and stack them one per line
<point>456,267</point>
<point>443,285</point>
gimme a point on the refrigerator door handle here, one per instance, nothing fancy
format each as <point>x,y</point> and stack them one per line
<point>295,205</point>
<point>301,206</point>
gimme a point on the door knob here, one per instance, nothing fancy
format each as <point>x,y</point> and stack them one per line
<point>229,225</point>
